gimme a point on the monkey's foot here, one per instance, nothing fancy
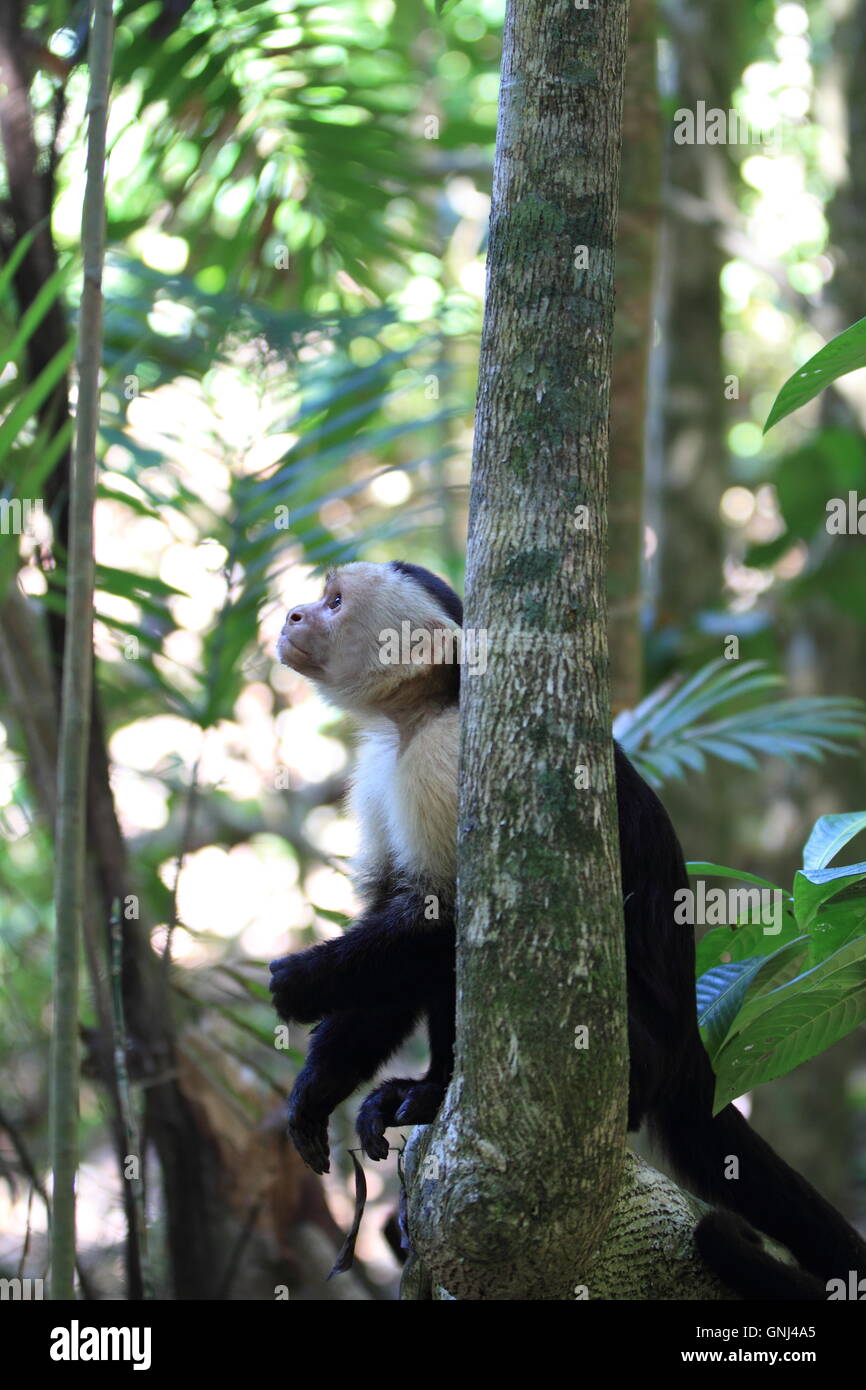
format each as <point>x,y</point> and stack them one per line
<point>399,1101</point>
<point>308,1132</point>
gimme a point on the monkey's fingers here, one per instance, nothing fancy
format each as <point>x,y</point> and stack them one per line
<point>309,1135</point>
<point>378,1113</point>
<point>422,1104</point>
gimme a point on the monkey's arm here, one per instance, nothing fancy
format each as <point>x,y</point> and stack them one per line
<point>388,959</point>
<point>345,1051</point>
<point>405,1100</point>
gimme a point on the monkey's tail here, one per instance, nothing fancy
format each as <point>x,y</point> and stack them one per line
<point>726,1162</point>
<point>732,1249</point>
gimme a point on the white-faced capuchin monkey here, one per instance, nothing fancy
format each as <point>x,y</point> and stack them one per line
<point>395,965</point>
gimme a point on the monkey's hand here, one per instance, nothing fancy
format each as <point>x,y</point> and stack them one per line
<point>399,1101</point>
<point>293,988</point>
<point>308,1128</point>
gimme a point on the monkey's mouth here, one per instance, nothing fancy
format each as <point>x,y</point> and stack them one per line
<point>291,654</point>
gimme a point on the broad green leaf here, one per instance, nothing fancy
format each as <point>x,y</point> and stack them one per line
<point>837,923</point>
<point>720,993</point>
<point>758,974</point>
<point>829,835</point>
<point>843,969</point>
<point>698,869</point>
<point>844,353</point>
<point>724,944</point>
<point>780,1039</point>
<point>812,887</point>
<point>780,967</point>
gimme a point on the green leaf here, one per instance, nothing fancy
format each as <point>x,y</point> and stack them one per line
<point>813,887</point>
<point>339,918</point>
<point>781,1038</point>
<point>34,315</point>
<point>125,584</point>
<point>844,353</point>
<point>697,869</point>
<point>780,967</point>
<point>720,993</point>
<point>829,835</point>
<point>34,396</point>
<point>666,734</point>
<point>794,1022</point>
<point>846,964</point>
<point>839,922</point>
<point>722,945</point>
<point>19,252</point>
<point>758,975</point>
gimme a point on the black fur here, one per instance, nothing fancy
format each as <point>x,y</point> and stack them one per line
<point>370,987</point>
<point>437,588</point>
<point>671,1082</point>
<point>731,1247</point>
<point>393,967</point>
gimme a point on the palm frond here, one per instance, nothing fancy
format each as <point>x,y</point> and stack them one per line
<point>669,733</point>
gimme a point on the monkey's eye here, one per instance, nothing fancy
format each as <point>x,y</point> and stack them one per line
<point>335,602</point>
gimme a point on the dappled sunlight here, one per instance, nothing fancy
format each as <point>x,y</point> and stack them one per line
<point>302,749</point>
<point>228,892</point>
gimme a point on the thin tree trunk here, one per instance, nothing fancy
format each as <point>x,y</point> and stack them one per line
<point>632,338</point>
<point>77,680</point>
<point>527,1153</point>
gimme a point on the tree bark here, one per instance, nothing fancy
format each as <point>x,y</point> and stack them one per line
<point>525,1161</point>
<point>632,339</point>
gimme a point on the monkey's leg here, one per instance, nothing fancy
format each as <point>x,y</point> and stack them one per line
<point>345,1050</point>
<point>440,1028</point>
<point>381,963</point>
<point>402,1100</point>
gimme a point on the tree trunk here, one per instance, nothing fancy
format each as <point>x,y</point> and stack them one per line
<point>632,338</point>
<point>71,842</point>
<point>525,1162</point>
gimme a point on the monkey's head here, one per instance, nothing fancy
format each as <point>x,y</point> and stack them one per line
<point>380,638</point>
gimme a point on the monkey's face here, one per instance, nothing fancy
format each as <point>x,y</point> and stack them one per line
<point>334,641</point>
<point>338,640</point>
<point>306,639</point>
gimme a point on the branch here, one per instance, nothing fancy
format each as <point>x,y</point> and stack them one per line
<point>77,683</point>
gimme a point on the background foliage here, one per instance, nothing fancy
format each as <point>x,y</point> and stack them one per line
<point>298,198</point>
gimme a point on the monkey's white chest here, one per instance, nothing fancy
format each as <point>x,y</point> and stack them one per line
<point>406,801</point>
